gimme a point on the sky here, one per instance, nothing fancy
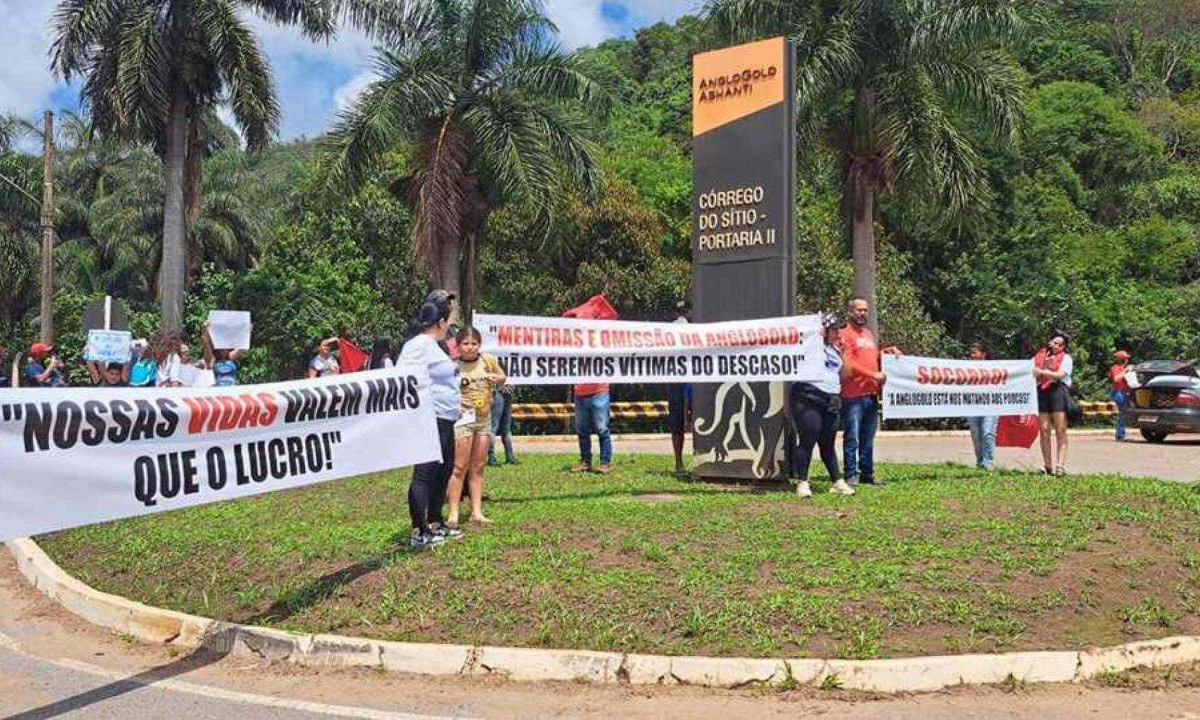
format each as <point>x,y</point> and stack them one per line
<point>313,81</point>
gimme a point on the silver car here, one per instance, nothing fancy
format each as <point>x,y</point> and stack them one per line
<point>1164,399</point>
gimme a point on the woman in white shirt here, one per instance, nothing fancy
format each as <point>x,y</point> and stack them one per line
<point>427,491</point>
<point>164,349</point>
<point>323,363</point>
<point>816,415</point>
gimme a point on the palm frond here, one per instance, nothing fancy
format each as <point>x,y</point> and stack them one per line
<point>243,67</point>
<point>388,109</point>
<point>315,18</point>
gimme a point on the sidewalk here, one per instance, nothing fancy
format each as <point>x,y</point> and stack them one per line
<point>1091,452</point>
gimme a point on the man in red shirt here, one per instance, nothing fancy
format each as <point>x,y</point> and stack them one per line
<point>592,401</point>
<point>862,382</point>
<point>1120,388</point>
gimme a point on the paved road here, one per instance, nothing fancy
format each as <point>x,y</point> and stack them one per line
<point>1090,452</point>
<point>32,688</point>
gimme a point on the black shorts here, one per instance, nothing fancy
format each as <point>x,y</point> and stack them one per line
<point>1053,399</point>
<point>677,404</point>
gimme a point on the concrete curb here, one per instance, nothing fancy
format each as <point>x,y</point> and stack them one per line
<point>917,674</point>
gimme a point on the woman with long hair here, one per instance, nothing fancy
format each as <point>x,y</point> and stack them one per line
<point>166,350</point>
<point>816,415</point>
<point>427,492</point>
<point>480,375</point>
<point>1052,368</point>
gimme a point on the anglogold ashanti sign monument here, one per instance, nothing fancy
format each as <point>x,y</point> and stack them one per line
<point>743,132</point>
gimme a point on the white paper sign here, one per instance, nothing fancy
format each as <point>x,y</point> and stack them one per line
<point>110,346</point>
<point>192,376</point>
<point>919,387</point>
<point>561,351</point>
<point>78,456</point>
<point>229,329</point>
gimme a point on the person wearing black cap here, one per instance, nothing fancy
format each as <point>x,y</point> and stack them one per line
<point>427,492</point>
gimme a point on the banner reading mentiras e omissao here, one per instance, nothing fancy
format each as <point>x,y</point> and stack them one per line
<point>550,351</point>
<point>76,456</point>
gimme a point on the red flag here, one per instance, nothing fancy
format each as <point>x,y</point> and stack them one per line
<point>351,357</point>
<point>1017,431</point>
<point>597,307</point>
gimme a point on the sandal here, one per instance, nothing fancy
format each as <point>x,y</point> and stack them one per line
<point>1060,471</point>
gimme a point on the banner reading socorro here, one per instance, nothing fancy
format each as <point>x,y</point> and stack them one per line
<point>77,456</point>
<point>561,351</point>
<point>919,387</point>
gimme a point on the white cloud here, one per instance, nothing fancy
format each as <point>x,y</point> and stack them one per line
<point>347,94</point>
<point>25,77</point>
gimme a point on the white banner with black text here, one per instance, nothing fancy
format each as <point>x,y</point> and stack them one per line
<point>565,351</point>
<point>72,457</point>
<point>920,387</point>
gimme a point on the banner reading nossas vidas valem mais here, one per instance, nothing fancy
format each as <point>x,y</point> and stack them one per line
<point>549,351</point>
<point>920,387</point>
<point>76,456</point>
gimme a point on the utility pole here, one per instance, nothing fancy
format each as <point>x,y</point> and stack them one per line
<point>48,228</point>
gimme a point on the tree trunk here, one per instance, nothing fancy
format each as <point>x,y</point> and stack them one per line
<point>862,233</point>
<point>47,304</point>
<point>448,268</point>
<point>865,176</point>
<point>173,274</point>
<point>194,174</point>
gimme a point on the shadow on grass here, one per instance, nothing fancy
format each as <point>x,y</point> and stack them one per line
<point>215,648</point>
<point>317,591</point>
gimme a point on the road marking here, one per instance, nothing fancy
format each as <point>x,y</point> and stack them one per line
<point>215,693</point>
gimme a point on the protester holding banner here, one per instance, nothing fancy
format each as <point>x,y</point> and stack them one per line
<point>1052,368</point>
<point>816,415</point>
<point>324,363</point>
<point>861,385</point>
<point>427,491</point>
<point>592,400</point>
<point>983,427</point>
<point>1120,388</point>
<point>222,361</point>
<point>479,376</point>
<point>47,374</point>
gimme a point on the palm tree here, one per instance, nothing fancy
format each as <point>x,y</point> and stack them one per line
<point>910,82</point>
<point>154,70</point>
<point>495,113</point>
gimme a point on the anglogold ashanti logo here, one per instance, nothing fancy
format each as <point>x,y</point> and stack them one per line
<point>736,84</point>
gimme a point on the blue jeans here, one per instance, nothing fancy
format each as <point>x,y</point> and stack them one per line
<point>860,420</point>
<point>501,426</point>
<point>983,438</point>
<point>591,416</point>
<point>1120,398</point>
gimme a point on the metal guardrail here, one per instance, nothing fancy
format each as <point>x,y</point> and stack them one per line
<point>654,410</point>
<point>565,411</point>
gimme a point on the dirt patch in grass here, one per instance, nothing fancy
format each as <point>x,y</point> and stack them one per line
<point>653,498</point>
<point>940,560</point>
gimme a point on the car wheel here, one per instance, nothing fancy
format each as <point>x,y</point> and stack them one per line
<point>1154,436</point>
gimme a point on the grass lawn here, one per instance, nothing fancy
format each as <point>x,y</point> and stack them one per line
<point>940,560</point>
